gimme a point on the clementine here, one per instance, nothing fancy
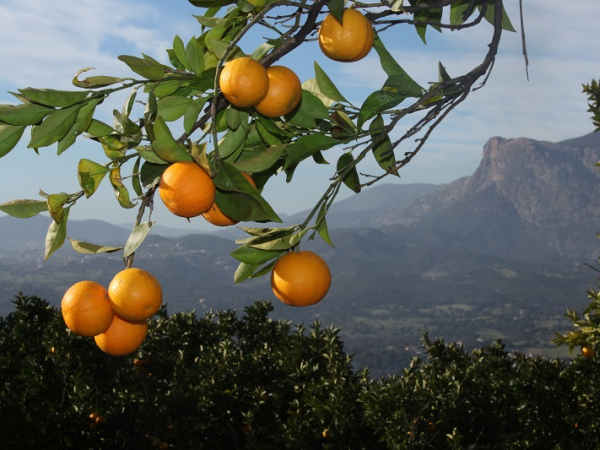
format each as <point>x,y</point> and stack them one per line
<point>300,278</point>
<point>348,41</point>
<point>134,294</point>
<point>284,94</point>
<point>122,337</point>
<point>186,189</point>
<point>86,309</point>
<point>244,82</point>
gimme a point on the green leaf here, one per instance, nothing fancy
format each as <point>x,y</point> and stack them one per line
<point>172,108</point>
<point>282,243</point>
<point>210,22</point>
<point>26,114</point>
<point>192,112</point>
<point>90,175</point>
<point>350,176</point>
<point>135,178</point>
<point>167,87</point>
<point>55,203</point>
<point>393,69</point>
<point>244,271</point>
<point>232,143</point>
<point>336,7</point>
<point>147,68</point>
<point>54,127</point>
<point>233,117</point>
<point>327,86</point>
<point>119,188</point>
<point>306,146</point>
<point>261,161</point>
<point>254,256</point>
<point>377,102</point>
<point>82,121</point>
<point>238,199</point>
<point>51,97</point>
<point>179,51</point>
<point>91,249</point>
<point>96,81</point>
<point>457,12</point>
<point>310,109</point>
<point>150,174</point>
<point>403,86</point>
<point>382,151</point>
<point>23,209</point>
<point>324,232</point>
<point>55,237</point>
<point>9,138</point>
<point>165,146</point>
<point>220,47</point>
<point>195,56</point>
<point>489,16</point>
<point>264,48</point>
<point>99,129</point>
<point>136,238</point>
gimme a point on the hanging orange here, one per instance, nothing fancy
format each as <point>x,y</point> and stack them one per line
<point>122,337</point>
<point>244,82</point>
<point>348,41</point>
<point>134,294</point>
<point>186,189</point>
<point>300,278</point>
<point>86,309</point>
<point>284,94</point>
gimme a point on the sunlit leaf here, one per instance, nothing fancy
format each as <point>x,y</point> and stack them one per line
<point>119,188</point>
<point>55,237</point>
<point>195,56</point>
<point>91,249</point>
<point>173,107</point>
<point>90,175</point>
<point>25,208</point>
<point>136,238</point>
<point>250,255</point>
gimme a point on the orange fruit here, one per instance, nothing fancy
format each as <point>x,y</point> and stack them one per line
<point>186,189</point>
<point>134,294</point>
<point>86,308</point>
<point>122,337</point>
<point>588,352</point>
<point>284,94</point>
<point>348,41</point>
<point>300,278</point>
<point>244,82</point>
<point>215,216</point>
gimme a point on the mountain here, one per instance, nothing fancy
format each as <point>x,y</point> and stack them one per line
<point>498,254</point>
<point>527,200</point>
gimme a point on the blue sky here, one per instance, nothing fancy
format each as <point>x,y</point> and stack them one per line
<point>43,44</point>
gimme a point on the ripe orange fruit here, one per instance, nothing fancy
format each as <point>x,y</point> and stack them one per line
<point>186,189</point>
<point>348,41</point>
<point>134,294</point>
<point>86,308</point>
<point>284,94</point>
<point>300,278</point>
<point>122,337</point>
<point>215,216</point>
<point>588,352</point>
<point>244,82</point>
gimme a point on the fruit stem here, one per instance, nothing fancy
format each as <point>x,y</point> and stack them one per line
<point>147,201</point>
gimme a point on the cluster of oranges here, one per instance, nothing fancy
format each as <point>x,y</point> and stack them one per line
<point>187,190</point>
<point>116,318</point>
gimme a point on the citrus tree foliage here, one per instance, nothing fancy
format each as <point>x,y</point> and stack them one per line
<point>245,381</point>
<point>141,143</point>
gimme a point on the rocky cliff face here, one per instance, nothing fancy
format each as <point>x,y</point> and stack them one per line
<point>524,193</point>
